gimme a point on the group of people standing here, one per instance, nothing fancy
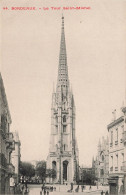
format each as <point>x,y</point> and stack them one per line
<point>77,188</point>
<point>45,190</point>
<point>18,188</point>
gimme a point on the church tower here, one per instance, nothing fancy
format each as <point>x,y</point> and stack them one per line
<point>63,151</point>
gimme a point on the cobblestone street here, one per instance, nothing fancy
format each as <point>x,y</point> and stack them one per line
<point>62,189</point>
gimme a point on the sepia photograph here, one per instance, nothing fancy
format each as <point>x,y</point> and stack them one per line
<point>62,97</point>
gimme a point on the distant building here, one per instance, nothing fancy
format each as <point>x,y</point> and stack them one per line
<point>117,154</point>
<point>6,142</point>
<point>16,155</point>
<point>63,152</point>
<point>101,164</point>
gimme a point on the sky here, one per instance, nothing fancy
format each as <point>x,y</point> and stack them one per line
<point>96,48</point>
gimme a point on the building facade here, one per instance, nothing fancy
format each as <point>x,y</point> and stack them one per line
<point>6,142</point>
<point>101,164</point>
<point>117,154</point>
<point>16,155</point>
<point>63,152</point>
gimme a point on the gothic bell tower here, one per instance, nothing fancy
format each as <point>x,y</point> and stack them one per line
<point>63,151</point>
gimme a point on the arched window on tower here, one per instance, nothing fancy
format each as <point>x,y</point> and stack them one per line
<point>65,147</point>
<point>102,157</point>
<point>56,119</point>
<point>64,118</point>
<point>64,128</point>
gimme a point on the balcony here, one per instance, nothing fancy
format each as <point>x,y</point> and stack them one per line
<point>111,169</point>
<point>116,142</point>
<point>116,168</point>
<point>11,168</point>
<point>111,144</point>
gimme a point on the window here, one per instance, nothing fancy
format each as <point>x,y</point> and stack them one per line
<point>102,172</point>
<point>116,164</point>
<point>122,128</point>
<point>117,160</point>
<point>64,128</point>
<point>122,158</point>
<point>65,147</point>
<point>56,130</point>
<point>111,136</point>
<point>56,119</point>
<point>112,161</point>
<point>64,118</point>
<point>117,134</point>
<point>116,141</point>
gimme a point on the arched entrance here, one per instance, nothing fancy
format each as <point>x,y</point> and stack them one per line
<point>53,170</point>
<point>54,165</point>
<point>65,170</point>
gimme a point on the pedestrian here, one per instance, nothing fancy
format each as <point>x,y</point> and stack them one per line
<point>71,187</point>
<point>82,187</point>
<point>44,191</point>
<point>43,187</point>
<point>77,189</point>
<point>12,185</point>
<point>106,193</point>
<point>40,192</point>
<point>23,189</point>
<point>47,192</point>
<point>90,188</point>
<point>102,192</point>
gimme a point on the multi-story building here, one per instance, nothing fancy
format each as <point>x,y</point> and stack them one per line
<point>63,152</point>
<point>101,164</point>
<point>117,154</point>
<point>6,142</point>
<point>16,155</point>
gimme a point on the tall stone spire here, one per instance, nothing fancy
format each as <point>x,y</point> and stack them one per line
<point>63,152</point>
<point>63,81</point>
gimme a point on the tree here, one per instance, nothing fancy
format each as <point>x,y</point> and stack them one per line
<point>27,169</point>
<point>51,173</point>
<point>88,177</point>
<point>41,170</point>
